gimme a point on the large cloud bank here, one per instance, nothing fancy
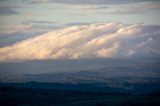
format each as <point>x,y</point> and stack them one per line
<point>99,40</point>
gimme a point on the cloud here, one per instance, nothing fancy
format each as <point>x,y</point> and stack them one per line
<point>77,23</point>
<point>134,8</point>
<point>40,25</point>
<point>28,27</point>
<point>88,2</point>
<point>97,40</point>
<point>14,29</point>
<point>142,7</point>
<point>89,7</point>
<point>37,22</point>
<point>8,9</point>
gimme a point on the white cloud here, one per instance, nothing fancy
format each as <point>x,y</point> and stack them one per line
<point>91,2</point>
<point>99,40</point>
<point>142,7</point>
<point>88,7</point>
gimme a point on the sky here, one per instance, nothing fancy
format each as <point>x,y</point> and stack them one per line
<point>73,29</point>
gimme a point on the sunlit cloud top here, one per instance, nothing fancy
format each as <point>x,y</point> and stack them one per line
<point>24,21</point>
<point>100,40</point>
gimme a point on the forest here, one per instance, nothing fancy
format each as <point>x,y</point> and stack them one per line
<point>28,96</point>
